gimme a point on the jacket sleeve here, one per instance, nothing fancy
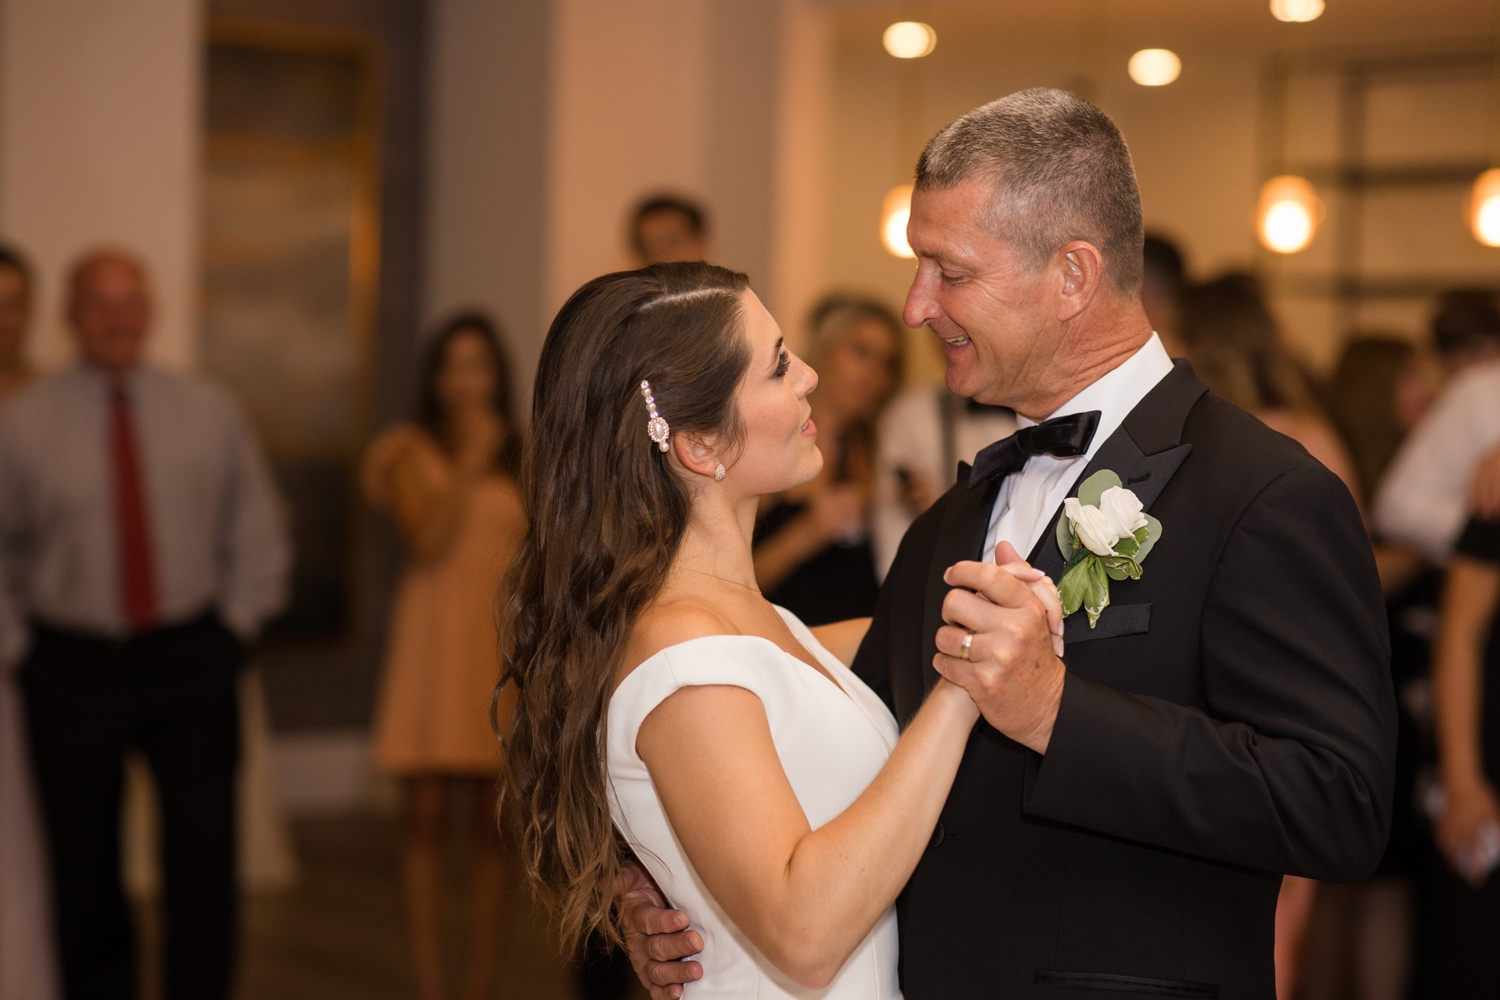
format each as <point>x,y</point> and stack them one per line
<point>1291,767</point>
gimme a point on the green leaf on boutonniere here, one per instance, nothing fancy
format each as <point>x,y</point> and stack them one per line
<point>1067,542</point>
<point>1094,486</point>
<point>1096,598</point>
<point>1072,589</point>
<point>1147,537</point>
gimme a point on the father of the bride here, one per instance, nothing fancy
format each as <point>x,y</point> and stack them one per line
<point>1122,823</point>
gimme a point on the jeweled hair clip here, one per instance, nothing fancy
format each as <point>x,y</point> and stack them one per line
<point>657,428</point>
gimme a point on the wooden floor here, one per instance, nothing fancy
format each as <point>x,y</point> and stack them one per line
<point>338,933</point>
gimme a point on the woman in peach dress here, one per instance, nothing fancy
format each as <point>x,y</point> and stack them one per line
<point>447,482</point>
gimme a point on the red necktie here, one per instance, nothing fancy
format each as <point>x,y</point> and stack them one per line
<point>137,568</point>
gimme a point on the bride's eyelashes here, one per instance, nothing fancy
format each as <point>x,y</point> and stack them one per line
<point>783,362</point>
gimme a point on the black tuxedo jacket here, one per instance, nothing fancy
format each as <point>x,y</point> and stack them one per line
<point>1231,718</point>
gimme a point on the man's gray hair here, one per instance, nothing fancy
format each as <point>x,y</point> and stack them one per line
<point>1060,170</point>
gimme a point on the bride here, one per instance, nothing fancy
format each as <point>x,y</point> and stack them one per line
<point>664,707</point>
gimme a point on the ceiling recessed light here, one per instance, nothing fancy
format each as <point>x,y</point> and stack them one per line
<point>1296,10</point>
<point>1154,67</point>
<point>910,39</point>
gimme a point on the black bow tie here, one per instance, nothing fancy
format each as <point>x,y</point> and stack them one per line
<point>1060,437</point>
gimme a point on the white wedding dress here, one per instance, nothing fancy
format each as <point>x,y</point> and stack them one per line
<point>832,741</point>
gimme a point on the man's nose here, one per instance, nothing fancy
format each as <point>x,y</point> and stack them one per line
<point>920,304</point>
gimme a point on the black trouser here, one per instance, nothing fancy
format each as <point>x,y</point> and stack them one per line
<point>170,693</point>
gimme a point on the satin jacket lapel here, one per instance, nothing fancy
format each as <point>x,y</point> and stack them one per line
<point>1145,452</point>
<point>961,536</point>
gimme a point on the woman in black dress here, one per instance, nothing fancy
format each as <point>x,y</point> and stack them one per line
<point>1460,955</point>
<point>812,545</point>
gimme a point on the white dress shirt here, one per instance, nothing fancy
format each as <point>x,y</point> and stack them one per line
<point>216,528</point>
<point>1028,500</point>
<point>1424,498</point>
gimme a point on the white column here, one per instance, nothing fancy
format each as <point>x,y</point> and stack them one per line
<point>99,126</point>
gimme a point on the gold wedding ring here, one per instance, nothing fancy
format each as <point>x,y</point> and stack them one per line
<point>963,647</point>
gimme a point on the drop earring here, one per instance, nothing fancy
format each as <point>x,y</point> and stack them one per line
<point>719,473</point>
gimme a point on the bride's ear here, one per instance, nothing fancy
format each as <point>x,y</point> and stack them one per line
<point>697,452</point>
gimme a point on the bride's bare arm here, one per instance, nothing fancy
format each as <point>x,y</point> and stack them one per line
<point>805,897</point>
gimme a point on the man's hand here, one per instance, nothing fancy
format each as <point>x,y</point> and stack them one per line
<point>1013,672</point>
<point>657,937</point>
<point>1484,488</point>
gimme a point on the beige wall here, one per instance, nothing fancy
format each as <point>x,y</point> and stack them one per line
<point>99,144</point>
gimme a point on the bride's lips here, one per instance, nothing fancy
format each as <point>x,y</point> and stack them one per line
<point>809,429</point>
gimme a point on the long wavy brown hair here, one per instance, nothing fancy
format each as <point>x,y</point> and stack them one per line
<point>607,514</point>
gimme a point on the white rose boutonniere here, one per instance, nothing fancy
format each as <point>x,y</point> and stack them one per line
<point>1104,534</point>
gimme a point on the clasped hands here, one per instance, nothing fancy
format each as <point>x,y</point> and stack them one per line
<point>1014,670</point>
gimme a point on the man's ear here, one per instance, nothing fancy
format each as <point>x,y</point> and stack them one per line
<point>1082,269</point>
<point>697,452</point>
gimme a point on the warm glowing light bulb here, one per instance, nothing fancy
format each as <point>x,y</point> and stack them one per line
<point>1296,10</point>
<point>1289,214</point>
<point>1154,67</point>
<point>1484,208</point>
<point>894,215</point>
<point>910,39</point>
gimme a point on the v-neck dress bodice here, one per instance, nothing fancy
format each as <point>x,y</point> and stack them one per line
<point>832,739</point>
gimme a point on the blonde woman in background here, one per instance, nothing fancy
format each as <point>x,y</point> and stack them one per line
<point>447,481</point>
<point>812,544</point>
<point>1235,346</point>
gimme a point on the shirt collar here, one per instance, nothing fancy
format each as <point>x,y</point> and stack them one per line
<point>1116,392</point>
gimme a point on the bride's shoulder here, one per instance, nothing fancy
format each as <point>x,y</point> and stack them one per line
<point>668,624</point>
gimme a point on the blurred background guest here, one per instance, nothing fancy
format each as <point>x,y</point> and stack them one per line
<point>667,228</point>
<point>1424,501</point>
<point>15,317</point>
<point>812,545</point>
<point>1361,937</point>
<point>27,969</point>
<point>143,547</point>
<point>1461,899</point>
<point>921,437</point>
<point>1466,328</point>
<point>1235,346</point>
<point>1162,284</point>
<point>447,481</point>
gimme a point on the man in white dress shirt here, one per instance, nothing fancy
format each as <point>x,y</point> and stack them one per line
<point>141,547</point>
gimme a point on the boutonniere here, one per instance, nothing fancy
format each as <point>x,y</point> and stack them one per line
<point>1105,534</point>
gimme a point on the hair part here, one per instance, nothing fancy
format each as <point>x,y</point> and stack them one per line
<point>1060,171</point>
<point>607,512</point>
<point>430,412</point>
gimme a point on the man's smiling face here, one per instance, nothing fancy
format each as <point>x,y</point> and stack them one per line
<point>994,312</point>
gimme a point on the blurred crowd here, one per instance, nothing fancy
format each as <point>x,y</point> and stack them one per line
<point>142,550</point>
